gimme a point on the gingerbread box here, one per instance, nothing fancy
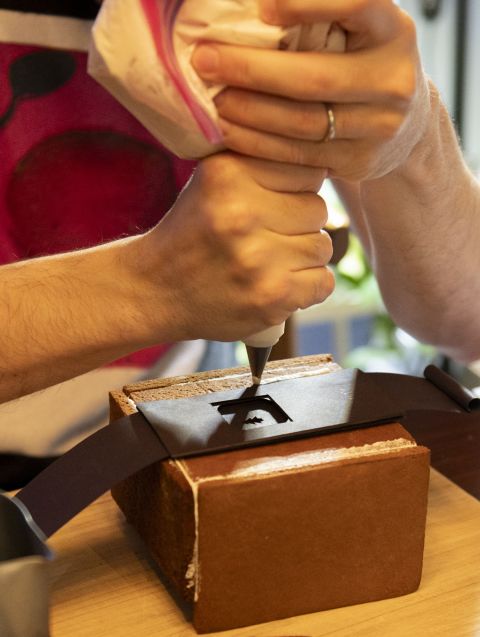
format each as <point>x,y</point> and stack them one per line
<point>257,534</point>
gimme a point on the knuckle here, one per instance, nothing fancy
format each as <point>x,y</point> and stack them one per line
<point>320,249</point>
<point>403,83</point>
<point>209,216</point>
<point>325,247</point>
<point>323,286</point>
<point>303,154</point>
<point>296,154</point>
<point>322,211</point>
<point>223,209</point>
<point>318,84</point>
<point>328,283</point>
<point>389,125</point>
<point>237,219</point>
<point>408,26</point>
<point>231,219</point>
<point>273,294</point>
<point>248,261</point>
<point>217,170</point>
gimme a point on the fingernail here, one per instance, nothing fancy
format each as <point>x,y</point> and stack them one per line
<point>206,60</point>
<point>268,11</point>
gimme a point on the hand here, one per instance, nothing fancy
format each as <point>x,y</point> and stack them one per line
<point>241,249</point>
<point>376,89</point>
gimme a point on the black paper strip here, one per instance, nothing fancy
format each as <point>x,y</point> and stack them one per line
<point>311,405</point>
<point>90,469</point>
<point>452,388</point>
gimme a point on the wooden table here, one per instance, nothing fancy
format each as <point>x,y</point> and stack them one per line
<point>104,583</point>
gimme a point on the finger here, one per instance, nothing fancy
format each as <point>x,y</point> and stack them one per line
<point>296,214</point>
<point>303,252</point>
<point>341,158</point>
<point>306,120</point>
<point>282,177</point>
<point>273,147</point>
<point>298,290</point>
<point>378,17</point>
<point>281,214</point>
<point>324,77</point>
<point>291,253</point>
<point>302,120</point>
<point>312,286</point>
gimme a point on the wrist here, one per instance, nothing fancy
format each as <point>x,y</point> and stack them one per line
<point>111,303</point>
<point>431,176</point>
<point>149,297</point>
<point>435,150</point>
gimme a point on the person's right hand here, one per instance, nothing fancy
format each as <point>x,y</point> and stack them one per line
<point>241,249</point>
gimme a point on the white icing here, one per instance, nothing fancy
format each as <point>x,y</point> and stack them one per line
<point>305,459</point>
<point>192,574</point>
<point>276,375</point>
<point>131,403</point>
<point>317,457</point>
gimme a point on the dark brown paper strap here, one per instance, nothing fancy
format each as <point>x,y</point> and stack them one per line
<point>90,469</point>
<point>452,388</point>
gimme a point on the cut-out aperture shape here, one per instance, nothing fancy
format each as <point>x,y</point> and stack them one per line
<point>252,411</point>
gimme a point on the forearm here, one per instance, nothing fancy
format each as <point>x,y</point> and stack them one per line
<point>423,229</point>
<point>61,316</point>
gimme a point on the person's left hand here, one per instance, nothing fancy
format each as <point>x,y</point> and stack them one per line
<point>276,106</point>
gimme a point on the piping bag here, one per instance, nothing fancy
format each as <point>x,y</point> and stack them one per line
<point>141,51</point>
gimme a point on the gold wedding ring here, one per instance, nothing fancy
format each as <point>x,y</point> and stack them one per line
<point>331,130</point>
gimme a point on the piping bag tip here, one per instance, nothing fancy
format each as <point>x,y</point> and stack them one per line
<point>257,357</point>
